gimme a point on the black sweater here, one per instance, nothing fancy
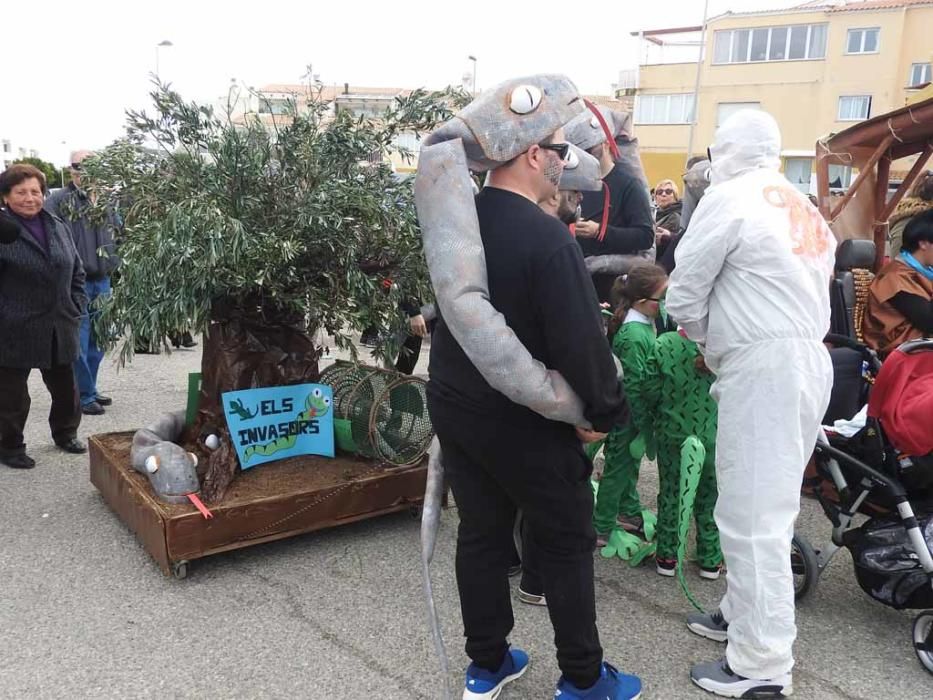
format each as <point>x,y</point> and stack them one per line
<point>537,280</point>
<point>630,228</point>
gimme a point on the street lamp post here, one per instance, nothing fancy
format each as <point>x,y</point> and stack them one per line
<point>164,42</point>
<point>65,145</point>
<point>696,85</point>
<point>473,58</point>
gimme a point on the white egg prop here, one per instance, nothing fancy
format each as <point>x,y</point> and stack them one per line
<point>212,442</point>
<point>194,458</point>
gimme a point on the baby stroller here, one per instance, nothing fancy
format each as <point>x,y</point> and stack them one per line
<point>866,474</point>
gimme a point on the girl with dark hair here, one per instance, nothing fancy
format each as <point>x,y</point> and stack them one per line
<point>638,295</point>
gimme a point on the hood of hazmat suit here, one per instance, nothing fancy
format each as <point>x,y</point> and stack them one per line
<point>499,125</point>
<point>759,256</point>
<point>752,285</point>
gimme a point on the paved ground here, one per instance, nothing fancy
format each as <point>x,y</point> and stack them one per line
<point>84,613</point>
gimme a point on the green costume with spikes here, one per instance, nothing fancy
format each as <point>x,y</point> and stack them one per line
<point>618,492</point>
<point>684,413</point>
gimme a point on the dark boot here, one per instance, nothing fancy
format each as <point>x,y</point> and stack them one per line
<point>18,461</point>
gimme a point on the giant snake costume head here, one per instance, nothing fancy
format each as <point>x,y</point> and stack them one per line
<point>581,172</point>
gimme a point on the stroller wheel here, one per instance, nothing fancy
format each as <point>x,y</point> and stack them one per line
<point>805,566</point>
<point>923,639</point>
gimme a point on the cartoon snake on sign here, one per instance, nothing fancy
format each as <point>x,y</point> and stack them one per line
<point>316,405</point>
<point>241,411</point>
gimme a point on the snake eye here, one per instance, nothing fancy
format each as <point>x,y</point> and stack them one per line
<point>327,401</point>
<point>525,99</point>
<point>317,393</point>
<point>152,464</point>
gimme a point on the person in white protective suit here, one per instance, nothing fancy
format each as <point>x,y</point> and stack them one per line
<point>751,286</point>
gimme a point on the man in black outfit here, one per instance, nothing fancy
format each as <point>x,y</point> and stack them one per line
<point>500,456</point>
<point>630,226</point>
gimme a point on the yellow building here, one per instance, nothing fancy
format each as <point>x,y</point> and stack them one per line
<point>818,68</point>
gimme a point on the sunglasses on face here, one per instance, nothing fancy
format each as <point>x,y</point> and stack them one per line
<point>76,166</point>
<point>561,149</point>
<point>664,191</point>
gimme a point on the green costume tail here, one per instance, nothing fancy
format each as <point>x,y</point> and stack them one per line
<point>692,456</point>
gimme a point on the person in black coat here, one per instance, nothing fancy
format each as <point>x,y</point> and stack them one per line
<point>42,302</point>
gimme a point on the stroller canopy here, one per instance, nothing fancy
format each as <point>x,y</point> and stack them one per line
<point>902,398</point>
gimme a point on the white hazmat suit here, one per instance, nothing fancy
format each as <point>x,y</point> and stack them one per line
<point>752,286</point>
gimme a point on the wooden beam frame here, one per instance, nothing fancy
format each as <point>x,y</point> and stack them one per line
<point>879,227</point>
<point>822,182</point>
<point>863,174</point>
<point>907,183</point>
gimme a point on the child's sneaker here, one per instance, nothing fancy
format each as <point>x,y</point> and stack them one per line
<point>666,567</point>
<point>485,685</point>
<point>611,685</point>
<point>711,573</point>
<point>632,523</point>
<point>718,678</point>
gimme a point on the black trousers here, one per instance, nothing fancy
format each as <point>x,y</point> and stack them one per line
<point>493,469</point>
<point>408,355</point>
<point>64,417</point>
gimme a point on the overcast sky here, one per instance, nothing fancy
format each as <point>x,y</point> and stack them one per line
<point>72,68</point>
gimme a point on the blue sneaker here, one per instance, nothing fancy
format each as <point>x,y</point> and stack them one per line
<point>611,685</point>
<point>484,685</point>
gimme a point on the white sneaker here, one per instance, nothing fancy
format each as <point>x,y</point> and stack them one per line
<point>710,625</point>
<point>719,679</point>
<point>531,598</point>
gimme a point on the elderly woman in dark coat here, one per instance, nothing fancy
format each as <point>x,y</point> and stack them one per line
<point>41,304</point>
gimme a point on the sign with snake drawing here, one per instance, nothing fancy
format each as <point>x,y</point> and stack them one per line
<point>273,423</point>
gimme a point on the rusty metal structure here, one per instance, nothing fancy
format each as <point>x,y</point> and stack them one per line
<point>871,146</point>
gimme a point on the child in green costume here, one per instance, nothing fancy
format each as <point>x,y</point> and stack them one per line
<point>632,331</point>
<point>677,391</point>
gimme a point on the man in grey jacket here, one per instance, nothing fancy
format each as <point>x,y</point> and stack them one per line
<point>94,241</point>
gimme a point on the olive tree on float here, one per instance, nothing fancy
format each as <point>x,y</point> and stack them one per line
<point>259,236</point>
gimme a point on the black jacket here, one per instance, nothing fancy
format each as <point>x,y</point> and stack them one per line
<point>537,280</point>
<point>41,297</point>
<point>630,228</point>
<point>71,206</point>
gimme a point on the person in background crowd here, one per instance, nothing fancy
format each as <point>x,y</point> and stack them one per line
<point>418,330</point>
<point>751,288</point>
<point>94,242</point>
<point>696,180</point>
<point>900,299</point>
<point>919,201</point>
<point>617,223</point>
<point>667,215</point>
<point>42,301</point>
